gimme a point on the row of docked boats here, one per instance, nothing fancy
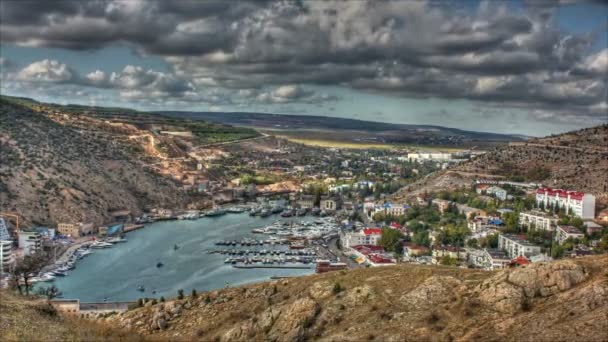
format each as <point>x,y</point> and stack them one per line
<point>319,229</point>
<point>269,260</point>
<point>263,252</point>
<point>252,242</point>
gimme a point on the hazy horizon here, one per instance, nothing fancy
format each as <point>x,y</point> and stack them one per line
<point>516,67</point>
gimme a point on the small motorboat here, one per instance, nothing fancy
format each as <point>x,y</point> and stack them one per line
<point>159,264</point>
<point>175,247</point>
<point>141,288</point>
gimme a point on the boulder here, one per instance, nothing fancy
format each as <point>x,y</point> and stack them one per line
<point>162,324</point>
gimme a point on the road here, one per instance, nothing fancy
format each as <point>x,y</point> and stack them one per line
<point>332,252</point>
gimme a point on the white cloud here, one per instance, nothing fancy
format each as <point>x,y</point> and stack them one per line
<point>46,71</point>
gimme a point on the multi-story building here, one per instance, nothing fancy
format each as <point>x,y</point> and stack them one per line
<point>489,259</point>
<point>563,233</point>
<point>29,241</point>
<point>516,246</point>
<point>498,192</point>
<point>69,229</point>
<point>579,203</point>
<point>4,234</point>
<point>6,254</point>
<point>306,202</point>
<point>367,236</point>
<point>330,204</point>
<point>538,219</point>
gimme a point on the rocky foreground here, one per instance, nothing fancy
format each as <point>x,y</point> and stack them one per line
<point>559,301</point>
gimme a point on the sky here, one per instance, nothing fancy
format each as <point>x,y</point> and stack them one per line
<point>533,67</point>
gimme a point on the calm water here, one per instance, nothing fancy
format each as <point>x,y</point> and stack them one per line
<point>116,272</point>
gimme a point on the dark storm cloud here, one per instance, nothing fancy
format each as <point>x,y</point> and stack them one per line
<point>401,48</point>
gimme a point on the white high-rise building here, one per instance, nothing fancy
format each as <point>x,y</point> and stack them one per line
<point>580,203</point>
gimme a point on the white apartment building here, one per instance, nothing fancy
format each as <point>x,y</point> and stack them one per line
<point>498,192</point>
<point>489,259</point>
<point>581,204</point>
<point>539,219</point>
<point>516,246</point>
<point>367,236</point>
<point>6,254</point>
<point>563,233</point>
<point>29,241</point>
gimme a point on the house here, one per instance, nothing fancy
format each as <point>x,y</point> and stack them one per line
<point>489,259</point>
<point>388,208</point>
<point>306,202</point>
<point>367,236</point>
<point>30,241</point>
<point>516,246</point>
<point>330,204</point>
<point>592,227</point>
<point>450,251</point>
<point>498,192</point>
<point>470,212</point>
<point>443,205</point>
<point>579,203</point>
<point>538,219</point>
<point>563,233</point>
<point>411,250</point>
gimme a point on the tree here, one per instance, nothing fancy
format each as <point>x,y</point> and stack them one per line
<point>557,251</point>
<point>390,239</point>
<point>492,241</point>
<point>473,243</point>
<point>180,294</point>
<point>25,269</point>
<point>448,260</point>
<point>49,292</point>
<point>421,238</point>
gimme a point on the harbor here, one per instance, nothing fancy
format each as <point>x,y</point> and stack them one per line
<point>191,254</point>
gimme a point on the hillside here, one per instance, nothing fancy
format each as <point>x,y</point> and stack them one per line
<point>350,130</point>
<point>52,172</point>
<point>35,320</point>
<point>575,160</point>
<point>560,301</point>
<point>76,163</point>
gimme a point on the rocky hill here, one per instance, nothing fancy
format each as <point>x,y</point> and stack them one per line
<point>53,171</point>
<point>23,319</point>
<point>559,301</point>
<point>576,160</point>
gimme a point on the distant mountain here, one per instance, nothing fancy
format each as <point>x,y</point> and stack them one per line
<point>367,130</point>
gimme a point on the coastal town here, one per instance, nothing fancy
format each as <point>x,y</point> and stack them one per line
<point>342,212</point>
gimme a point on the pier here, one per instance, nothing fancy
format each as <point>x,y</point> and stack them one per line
<point>294,267</point>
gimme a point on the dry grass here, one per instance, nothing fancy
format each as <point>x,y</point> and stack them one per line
<point>31,319</point>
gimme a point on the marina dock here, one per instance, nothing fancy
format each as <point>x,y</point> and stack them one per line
<point>294,267</point>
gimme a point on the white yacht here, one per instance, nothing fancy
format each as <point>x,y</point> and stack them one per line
<point>101,244</point>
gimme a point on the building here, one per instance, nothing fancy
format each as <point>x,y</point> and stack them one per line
<point>29,241</point>
<point>388,208</point>
<point>563,233</point>
<point>516,246</point>
<point>411,250</point>
<point>579,203</point>
<point>449,251</point>
<point>4,234</point>
<point>76,230</point>
<point>367,236</point>
<point>488,259</point>
<point>6,255</point>
<point>306,202</point>
<point>498,192</point>
<point>443,205</point>
<point>330,204</point>
<point>470,212</point>
<point>538,219</point>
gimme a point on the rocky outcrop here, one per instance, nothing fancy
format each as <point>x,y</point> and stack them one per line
<point>558,301</point>
<point>509,292</point>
